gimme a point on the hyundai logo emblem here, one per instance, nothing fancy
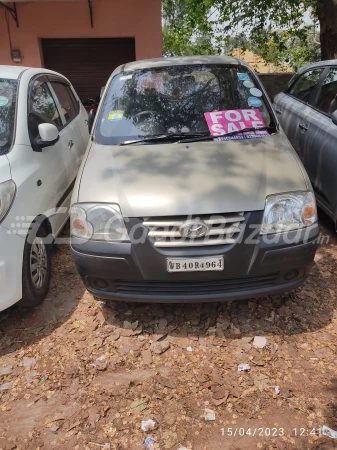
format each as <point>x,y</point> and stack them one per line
<point>193,229</point>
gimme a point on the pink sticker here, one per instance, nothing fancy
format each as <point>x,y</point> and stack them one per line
<point>223,122</point>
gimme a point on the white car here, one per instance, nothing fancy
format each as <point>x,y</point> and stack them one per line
<point>43,137</point>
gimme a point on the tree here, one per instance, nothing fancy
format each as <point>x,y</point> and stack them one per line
<point>326,11</point>
<point>237,41</point>
<point>263,21</point>
<point>185,33</point>
<point>290,50</point>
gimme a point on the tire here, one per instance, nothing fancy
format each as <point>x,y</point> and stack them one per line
<point>36,281</point>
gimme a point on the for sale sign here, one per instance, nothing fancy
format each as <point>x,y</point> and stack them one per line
<point>223,122</point>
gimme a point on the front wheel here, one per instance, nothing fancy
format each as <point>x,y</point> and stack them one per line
<point>36,269</point>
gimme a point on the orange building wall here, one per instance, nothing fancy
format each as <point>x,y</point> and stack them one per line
<point>140,19</point>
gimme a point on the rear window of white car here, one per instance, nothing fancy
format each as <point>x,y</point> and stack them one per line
<point>8,93</point>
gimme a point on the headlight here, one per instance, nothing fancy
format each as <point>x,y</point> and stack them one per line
<point>98,222</point>
<point>291,211</point>
<point>7,194</point>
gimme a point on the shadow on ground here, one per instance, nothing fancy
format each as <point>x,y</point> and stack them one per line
<point>21,327</point>
<point>85,373</point>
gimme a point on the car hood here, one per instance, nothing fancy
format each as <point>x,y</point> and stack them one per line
<point>5,170</point>
<point>206,177</point>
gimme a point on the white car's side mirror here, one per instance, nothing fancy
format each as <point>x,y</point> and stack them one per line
<point>48,132</point>
<point>49,135</point>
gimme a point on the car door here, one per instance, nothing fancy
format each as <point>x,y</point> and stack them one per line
<point>51,164</point>
<point>292,107</point>
<point>80,123</point>
<point>319,142</point>
<point>72,140</point>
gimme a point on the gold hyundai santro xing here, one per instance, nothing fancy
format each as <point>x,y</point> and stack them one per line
<point>190,190</point>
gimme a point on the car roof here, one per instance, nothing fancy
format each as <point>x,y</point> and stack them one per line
<point>180,61</point>
<point>14,72</point>
<point>327,62</point>
<point>11,72</point>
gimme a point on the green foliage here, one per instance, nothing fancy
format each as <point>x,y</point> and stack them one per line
<point>289,50</point>
<point>186,45</point>
<point>236,41</point>
<point>273,29</point>
<point>187,31</point>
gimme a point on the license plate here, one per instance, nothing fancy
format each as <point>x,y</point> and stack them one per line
<point>195,264</point>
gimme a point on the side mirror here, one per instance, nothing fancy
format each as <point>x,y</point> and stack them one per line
<point>334,117</point>
<point>91,119</point>
<point>48,136</point>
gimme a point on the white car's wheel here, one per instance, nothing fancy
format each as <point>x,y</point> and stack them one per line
<point>36,270</point>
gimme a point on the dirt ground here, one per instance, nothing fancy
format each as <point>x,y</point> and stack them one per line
<point>77,373</point>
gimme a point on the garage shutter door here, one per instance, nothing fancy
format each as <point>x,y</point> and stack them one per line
<point>87,63</point>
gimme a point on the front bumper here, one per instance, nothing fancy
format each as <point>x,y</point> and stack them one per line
<point>11,258</point>
<point>253,267</point>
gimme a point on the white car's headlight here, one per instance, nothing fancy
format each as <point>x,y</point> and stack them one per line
<point>99,222</point>
<point>7,194</point>
<point>290,211</point>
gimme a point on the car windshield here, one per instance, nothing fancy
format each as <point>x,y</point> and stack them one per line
<point>173,100</point>
<point>8,90</point>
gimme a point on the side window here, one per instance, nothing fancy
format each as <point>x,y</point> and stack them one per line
<point>304,86</point>
<point>75,101</point>
<point>41,109</point>
<point>66,99</point>
<point>327,100</point>
<point>42,103</point>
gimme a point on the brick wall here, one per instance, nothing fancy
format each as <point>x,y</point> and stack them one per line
<point>274,82</point>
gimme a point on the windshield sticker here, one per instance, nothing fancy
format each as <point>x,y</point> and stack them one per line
<point>3,100</point>
<point>223,122</point>
<point>248,84</point>
<point>256,92</point>
<point>243,76</point>
<point>116,115</point>
<point>126,77</point>
<point>254,101</point>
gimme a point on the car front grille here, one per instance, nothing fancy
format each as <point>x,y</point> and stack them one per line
<point>153,288</point>
<point>223,229</point>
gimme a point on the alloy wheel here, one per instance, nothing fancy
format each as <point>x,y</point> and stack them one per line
<point>38,263</point>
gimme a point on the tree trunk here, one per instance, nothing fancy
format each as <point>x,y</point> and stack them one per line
<point>327,16</point>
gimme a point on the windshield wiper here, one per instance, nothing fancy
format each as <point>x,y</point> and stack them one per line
<point>165,136</point>
<point>207,137</point>
<point>193,136</point>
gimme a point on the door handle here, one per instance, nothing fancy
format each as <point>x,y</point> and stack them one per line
<point>70,144</point>
<point>278,111</point>
<point>86,121</point>
<point>303,126</point>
